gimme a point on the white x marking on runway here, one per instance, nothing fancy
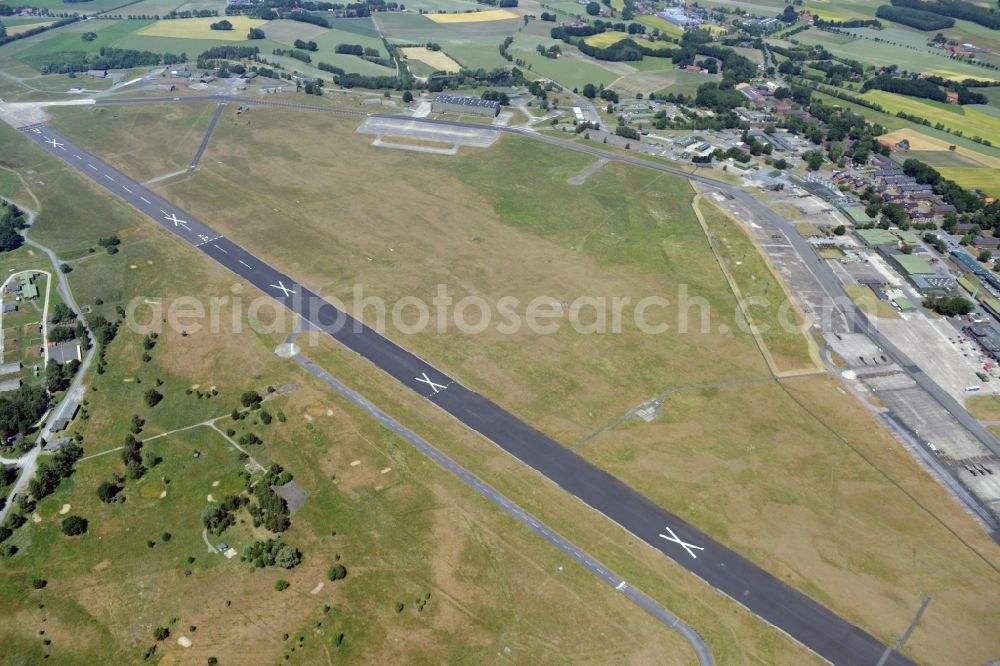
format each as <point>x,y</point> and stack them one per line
<point>689,547</point>
<point>437,388</point>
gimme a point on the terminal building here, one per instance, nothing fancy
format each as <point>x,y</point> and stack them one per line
<point>465,105</point>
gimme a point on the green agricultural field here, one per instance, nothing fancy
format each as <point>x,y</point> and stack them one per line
<point>88,7</point>
<point>572,69</point>
<point>43,46</point>
<point>882,55</point>
<point>664,26</point>
<point>331,38</point>
<point>152,8</point>
<point>983,179</point>
<point>970,121</point>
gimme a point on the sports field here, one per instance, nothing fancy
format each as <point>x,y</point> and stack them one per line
<point>437,60</point>
<point>473,17</point>
<point>198,28</point>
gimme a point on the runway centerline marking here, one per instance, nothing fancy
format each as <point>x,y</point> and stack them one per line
<point>220,249</point>
<point>126,189</point>
<point>146,200</point>
<point>250,267</point>
<point>437,388</point>
<point>92,166</point>
<point>689,547</point>
<point>109,178</point>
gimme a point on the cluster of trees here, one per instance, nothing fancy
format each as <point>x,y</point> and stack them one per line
<point>911,87</point>
<point>294,53</point>
<point>256,33</point>
<point>306,17</point>
<point>949,306</point>
<point>58,377</point>
<point>915,18</point>
<point>11,222</point>
<point>308,46</point>
<point>193,13</point>
<point>20,410</point>
<point>217,517</point>
<point>356,49</point>
<point>271,553</point>
<point>221,25</point>
<point>53,470</point>
<point>496,96</point>
<point>107,58</point>
<point>954,9</point>
<point>270,509</point>
<point>551,18</point>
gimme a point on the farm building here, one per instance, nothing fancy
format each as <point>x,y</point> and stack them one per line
<point>465,105</point>
<point>9,308</point>
<point>29,290</point>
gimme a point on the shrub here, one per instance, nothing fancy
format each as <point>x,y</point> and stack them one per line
<point>38,583</point>
<point>281,584</point>
<point>161,633</point>
<point>337,572</point>
<point>74,525</point>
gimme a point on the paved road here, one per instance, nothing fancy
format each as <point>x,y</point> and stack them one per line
<point>73,395</point>
<point>769,598</point>
<point>492,494</point>
<point>208,134</point>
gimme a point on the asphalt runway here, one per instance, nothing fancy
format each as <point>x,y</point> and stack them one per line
<point>802,618</point>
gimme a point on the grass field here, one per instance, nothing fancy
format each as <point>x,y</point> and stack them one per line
<point>787,491</point>
<point>986,407</point>
<point>401,533</point>
<point>437,60</point>
<point>103,125</point>
<point>606,39</point>
<point>474,17</point>
<point>869,303</point>
<point>770,308</point>
<point>572,69</point>
<point>198,28</point>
